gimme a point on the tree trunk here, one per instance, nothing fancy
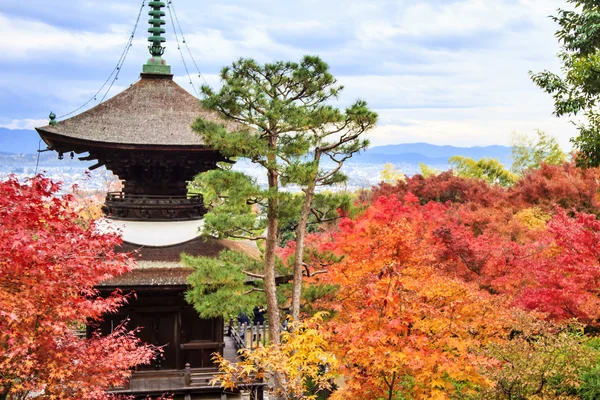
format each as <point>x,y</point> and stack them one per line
<point>270,246</point>
<point>299,255</point>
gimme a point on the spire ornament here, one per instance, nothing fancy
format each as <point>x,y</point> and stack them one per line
<point>52,118</point>
<point>156,64</point>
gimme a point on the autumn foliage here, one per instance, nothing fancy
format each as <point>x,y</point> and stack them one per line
<point>300,363</point>
<point>50,261</point>
<point>402,326</point>
<point>448,287</point>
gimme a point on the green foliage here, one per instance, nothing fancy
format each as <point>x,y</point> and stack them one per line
<point>540,362</point>
<point>590,384</point>
<point>233,198</point>
<point>490,170</point>
<point>313,293</point>
<point>588,141</point>
<point>280,119</point>
<point>284,101</point>
<point>326,208</point>
<point>590,378</point>
<point>527,154</point>
<point>238,207</point>
<point>278,116</point>
<point>577,89</point>
<point>220,287</point>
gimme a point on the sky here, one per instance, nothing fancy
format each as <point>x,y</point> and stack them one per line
<point>446,72</point>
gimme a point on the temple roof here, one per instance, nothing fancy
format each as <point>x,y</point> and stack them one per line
<point>162,266</point>
<point>197,247</point>
<point>146,274</point>
<point>154,111</point>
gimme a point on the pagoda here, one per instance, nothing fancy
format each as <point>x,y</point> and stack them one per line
<point>144,136</point>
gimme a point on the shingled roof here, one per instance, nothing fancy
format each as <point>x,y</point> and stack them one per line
<point>166,268</point>
<point>154,111</point>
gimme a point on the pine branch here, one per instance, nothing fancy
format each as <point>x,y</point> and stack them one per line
<point>252,291</point>
<point>253,275</point>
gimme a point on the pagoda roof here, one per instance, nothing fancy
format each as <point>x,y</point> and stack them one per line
<point>162,266</point>
<point>153,112</point>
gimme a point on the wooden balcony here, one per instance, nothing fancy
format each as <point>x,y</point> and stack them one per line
<point>143,207</point>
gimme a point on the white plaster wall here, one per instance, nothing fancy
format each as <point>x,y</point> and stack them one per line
<point>153,233</point>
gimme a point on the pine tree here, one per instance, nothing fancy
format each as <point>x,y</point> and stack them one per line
<point>280,119</point>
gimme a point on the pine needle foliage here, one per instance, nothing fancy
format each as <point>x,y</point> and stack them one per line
<point>279,115</point>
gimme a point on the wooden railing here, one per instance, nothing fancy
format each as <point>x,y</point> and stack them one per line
<point>248,336</point>
<point>140,207</point>
<point>202,379</point>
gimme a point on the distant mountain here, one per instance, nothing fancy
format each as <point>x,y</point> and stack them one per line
<point>430,154</point>
<point>23,141</point>
<point>368,157</point>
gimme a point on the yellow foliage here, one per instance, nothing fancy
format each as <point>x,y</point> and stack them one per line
<point>427,171</point>
<point>391,175</point>
<point>533,218</point>
<point>299,363</point>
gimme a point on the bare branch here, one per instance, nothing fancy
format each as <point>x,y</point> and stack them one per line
<point>252,291</point>
<point>253,238</point>
<point>253,275</point>
<point>333,171</point>
<point>309,274</point>
<point>318,272</point>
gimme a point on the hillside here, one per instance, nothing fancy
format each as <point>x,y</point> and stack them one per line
<point>431,154</point>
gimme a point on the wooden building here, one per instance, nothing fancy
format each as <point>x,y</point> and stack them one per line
<point>144,136</point>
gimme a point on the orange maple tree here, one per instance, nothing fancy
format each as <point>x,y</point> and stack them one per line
<point>50,262</point>
<point>401,327</point>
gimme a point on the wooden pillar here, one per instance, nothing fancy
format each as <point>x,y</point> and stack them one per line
<point>177,341</point>
<point>187,375</point>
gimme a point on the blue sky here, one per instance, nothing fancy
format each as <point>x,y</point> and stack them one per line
<point>438,71</point>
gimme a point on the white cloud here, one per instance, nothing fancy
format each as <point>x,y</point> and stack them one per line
<point>38,40</point>
<point>23,123</point>
<point>448,72</point>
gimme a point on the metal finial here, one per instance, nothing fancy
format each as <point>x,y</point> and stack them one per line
<point>156,49</point>
<point>156,65</point>
<point>52,117</point>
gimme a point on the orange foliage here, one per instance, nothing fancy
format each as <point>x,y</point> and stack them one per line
<point>401,327</point>
<point>429,285</point>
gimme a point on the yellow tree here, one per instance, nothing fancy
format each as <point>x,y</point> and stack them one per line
<point>488,169</point>
<point>528,154</point>
<point>391,175</point>
<point>301,362</point>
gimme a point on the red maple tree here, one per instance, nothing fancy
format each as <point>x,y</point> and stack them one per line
<point>50,261</point>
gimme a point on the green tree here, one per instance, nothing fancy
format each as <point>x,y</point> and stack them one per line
<point>488,169</point>
<point>238,208</point>
<point>576,90</point>
<point>528,154</point>
<point>279,118</point>
<point>220,286</point>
